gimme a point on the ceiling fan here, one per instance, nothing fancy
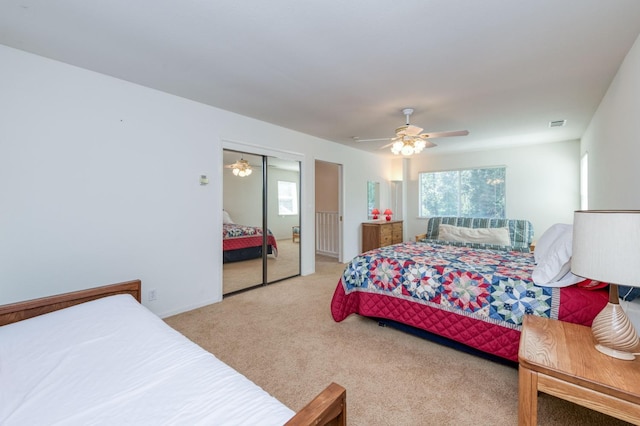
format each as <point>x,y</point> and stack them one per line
<point>240,168</point>
<point>410,140</point>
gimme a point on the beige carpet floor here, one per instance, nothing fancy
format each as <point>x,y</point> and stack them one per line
<point>283,338</point>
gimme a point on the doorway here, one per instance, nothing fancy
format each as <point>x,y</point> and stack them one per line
<point>266,198</point>
<point>328,214</point>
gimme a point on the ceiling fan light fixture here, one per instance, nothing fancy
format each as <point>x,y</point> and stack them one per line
<point>397,147</point>
<point>243,173</point>
<point>407,149</point>
<point>241,168</point>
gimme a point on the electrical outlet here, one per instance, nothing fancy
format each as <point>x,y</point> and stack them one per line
<point>152,295</point>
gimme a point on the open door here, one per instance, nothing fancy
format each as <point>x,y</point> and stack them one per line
<point>328,189</point>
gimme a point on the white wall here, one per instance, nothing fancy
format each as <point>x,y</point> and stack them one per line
<point>100,183</point>
<point>613,141</point>
<point>542,181</point>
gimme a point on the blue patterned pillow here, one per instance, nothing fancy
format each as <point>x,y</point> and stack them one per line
<point>628,293</point>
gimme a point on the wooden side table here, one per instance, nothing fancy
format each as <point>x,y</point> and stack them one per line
<point>559,358</point>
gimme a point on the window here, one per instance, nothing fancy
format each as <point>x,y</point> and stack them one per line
<point>287,198</point>
<point>465,193</point>
<point>584,182</point>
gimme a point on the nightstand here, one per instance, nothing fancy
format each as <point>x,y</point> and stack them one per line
<point>560,359</point>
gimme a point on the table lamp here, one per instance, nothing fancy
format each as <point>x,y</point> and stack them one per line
<point>375,213</point>
<point>388,212</point>
<point>606,248</point>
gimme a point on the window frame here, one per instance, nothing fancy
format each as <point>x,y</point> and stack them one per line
<point>293,197</point>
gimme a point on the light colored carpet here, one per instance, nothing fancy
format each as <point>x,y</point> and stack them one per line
<point>283,338</point>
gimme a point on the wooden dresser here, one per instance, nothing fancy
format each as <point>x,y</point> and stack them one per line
<point>377,234</point>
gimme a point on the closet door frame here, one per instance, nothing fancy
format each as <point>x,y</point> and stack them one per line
<point>254,149</point>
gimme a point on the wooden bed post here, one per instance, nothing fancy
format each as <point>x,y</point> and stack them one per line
<point>328,408</point>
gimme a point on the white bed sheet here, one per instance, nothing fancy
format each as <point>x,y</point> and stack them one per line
<point>112,361</point>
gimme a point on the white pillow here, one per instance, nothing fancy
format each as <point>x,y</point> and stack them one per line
<point>553,262</point>
<point>474,235</point>
<point>226,219</point>
<point>565,281</point>
<point>559,230</point>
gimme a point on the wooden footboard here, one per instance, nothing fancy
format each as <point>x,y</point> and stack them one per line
<point>328,408</point>
<point>32,308</point>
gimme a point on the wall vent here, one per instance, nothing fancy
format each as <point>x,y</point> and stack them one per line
<point>557,123</point>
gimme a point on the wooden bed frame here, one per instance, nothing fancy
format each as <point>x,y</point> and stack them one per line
<point>329,407</point>
<point>32,308</point>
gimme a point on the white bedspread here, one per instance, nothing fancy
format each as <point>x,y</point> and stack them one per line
<point>112,361</point>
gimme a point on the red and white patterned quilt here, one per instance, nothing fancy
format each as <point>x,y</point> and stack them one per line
<point>241,236</point>
<point>473,296</point>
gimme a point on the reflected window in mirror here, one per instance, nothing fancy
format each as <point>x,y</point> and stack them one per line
<point>373,198</point>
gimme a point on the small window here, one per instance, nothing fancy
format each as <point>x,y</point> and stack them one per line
<point>464,193</point>
<point>287,198</point>
<point>584,182</point>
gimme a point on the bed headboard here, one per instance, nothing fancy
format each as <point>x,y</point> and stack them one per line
<point>31,308</point>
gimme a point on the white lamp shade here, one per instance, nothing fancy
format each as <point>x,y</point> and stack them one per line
<point>606,246</point>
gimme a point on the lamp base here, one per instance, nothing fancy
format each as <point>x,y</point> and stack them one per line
<point>613,330</point>
<point>627,356</point>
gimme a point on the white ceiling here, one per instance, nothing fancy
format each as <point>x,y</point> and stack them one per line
<point>336,69</point>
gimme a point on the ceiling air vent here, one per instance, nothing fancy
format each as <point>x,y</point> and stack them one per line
<point>557,123</point>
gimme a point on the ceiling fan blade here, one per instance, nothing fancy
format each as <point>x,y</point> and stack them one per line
<point>372,140</point>
<point>445,134</point>
<point>253,166</point>
<point>386,146</point>
<point>411,130</point>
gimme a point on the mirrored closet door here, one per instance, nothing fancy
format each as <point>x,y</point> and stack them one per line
<point>259,192</point>
<point>283,217</point>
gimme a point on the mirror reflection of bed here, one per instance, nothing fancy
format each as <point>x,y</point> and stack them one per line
<point>244,266</point>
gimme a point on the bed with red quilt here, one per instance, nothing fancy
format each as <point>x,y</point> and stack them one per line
<point>475,297</point>
<point>242,242</point>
